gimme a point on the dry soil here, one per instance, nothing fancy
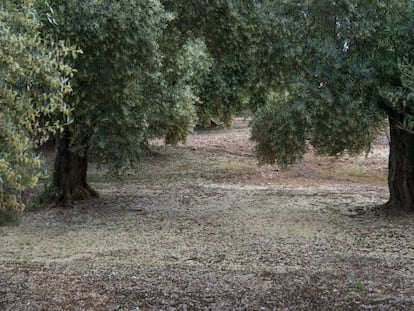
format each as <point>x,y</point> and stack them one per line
<point>202,227</point>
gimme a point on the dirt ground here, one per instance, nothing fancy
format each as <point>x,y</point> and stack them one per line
<point>201,227</point>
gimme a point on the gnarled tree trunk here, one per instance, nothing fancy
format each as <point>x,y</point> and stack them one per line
<point>69,178</point>
<point>401,168</point>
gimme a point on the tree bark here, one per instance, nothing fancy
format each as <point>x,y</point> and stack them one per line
<point>69,177</point>
<point>401,168</point>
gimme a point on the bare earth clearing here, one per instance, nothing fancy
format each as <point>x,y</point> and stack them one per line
<point>201,227</point>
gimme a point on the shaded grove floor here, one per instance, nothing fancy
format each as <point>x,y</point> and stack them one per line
<point>201,227</point>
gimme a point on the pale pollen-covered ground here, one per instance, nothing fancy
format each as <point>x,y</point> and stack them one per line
<point>202,227</point>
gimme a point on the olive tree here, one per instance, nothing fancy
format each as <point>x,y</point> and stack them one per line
<point>129,85</point>
<point>34,79</point>
<point>332,71</point>
<point>227,28</point>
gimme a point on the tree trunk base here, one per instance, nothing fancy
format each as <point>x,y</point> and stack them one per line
<point>400,168</point>
<point>392,208</point>
<point>69,179</point>
<point>77,193</point>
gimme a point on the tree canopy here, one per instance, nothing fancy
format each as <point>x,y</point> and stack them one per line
<point>227,29</point>
<point>134,81</point>
<point>34,80</point>
<point>322,73</point>
<point>336,70</point>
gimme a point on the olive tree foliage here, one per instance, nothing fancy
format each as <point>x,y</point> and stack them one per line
<point>403,97</point>
<point>333,71</point>
<point>186,63</point>
<point>227,29</point>
<point>132,82</point>
<point>117,83</point>
<point>326,64</point>
<point>34,79</point>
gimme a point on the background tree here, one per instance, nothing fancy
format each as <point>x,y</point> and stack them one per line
<point>33,83</point>
<point>227,29</point>
<point>331,74</point>
<point>126,90</point>
<point>186,63</point>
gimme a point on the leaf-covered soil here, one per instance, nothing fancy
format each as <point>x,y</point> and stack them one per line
<point>201,227</point>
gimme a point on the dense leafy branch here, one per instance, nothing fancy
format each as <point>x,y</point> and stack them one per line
<point>34,80</point>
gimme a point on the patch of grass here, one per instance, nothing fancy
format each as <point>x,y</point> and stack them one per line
<point>9,218</point>
<point>358,175</point>
<point>334,210</point>
<point>357,171</point>
<point>371,178</point>
<point>358,283</point>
